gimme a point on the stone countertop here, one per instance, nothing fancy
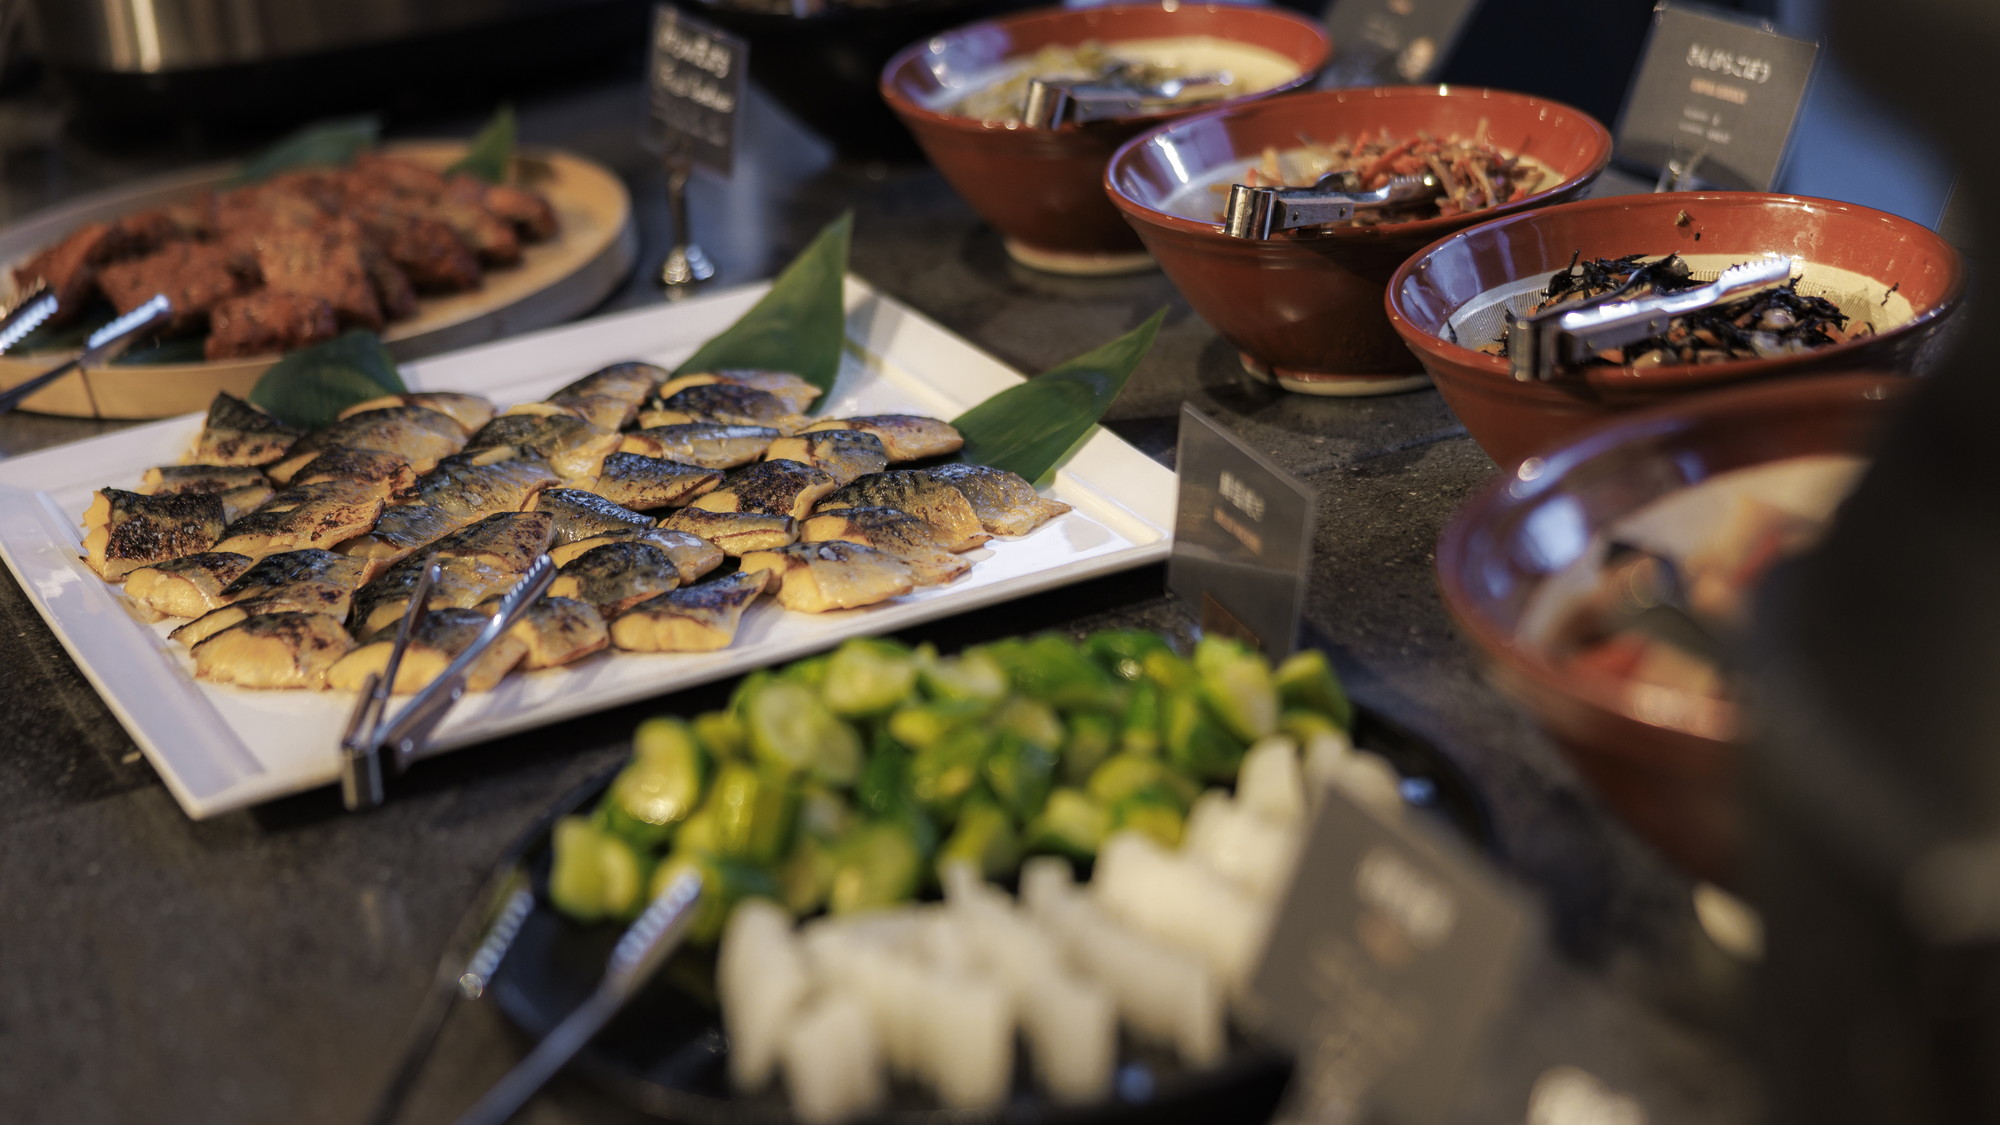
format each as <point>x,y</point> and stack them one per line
<point>263,965</point>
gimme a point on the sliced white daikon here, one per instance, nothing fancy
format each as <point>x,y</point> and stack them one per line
<point>1269,782</point>
<point>762,979</point>
<point>969,1046</point>
<point>1071,1027</point>
<point>833,1063</point>
<point>1233,842</point>
<point>1176,900</point>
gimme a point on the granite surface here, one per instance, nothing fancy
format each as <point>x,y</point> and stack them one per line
<point>262,966</point>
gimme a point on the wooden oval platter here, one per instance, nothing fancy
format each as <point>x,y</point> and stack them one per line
<point>590,256</point>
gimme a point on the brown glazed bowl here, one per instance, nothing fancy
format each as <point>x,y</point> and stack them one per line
<point>1890,271</point>
<point>1042,188</point>
<point>1670,773</point>
<point>1305,307</point>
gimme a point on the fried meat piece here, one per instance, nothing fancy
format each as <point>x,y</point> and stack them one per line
<point>70,266</point>
<point>530,213</point>
<point>430,254</point>
<point>195,276</point>
<point>267,321</point>
<point>392,286</point>
<point>321,262</point>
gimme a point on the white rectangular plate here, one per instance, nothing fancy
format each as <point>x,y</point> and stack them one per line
<point>222,748</point>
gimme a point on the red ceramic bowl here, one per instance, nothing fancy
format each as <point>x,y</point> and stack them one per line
<point>1041,188</point>
<point>1306,306</point>
<point>1670,772</point>
<point>1853,255</point>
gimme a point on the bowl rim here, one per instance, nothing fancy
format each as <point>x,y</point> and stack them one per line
<point>1453,551</point>
<point>1153,216</point>
<point>1463,363</point>
<point>912,111</point>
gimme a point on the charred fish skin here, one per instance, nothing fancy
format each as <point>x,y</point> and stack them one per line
<point>723,402</point>
<point>691,555</point>
<point>639,482</point>
<point>469,486</point>
<point>820,577</point>
<point>574,448</point>
<point>420,436</point>
<point>436,642</point>
<point>273,650</point>
<point>788,388</point>
<point>890,531</point>
<point>469,411</point>
<point>1005,502</point>
<point>509,541</point>
<point>947,511</point>
<point>557,631</point>
<point>462,583</point>
<point>316,515</point>
<point>699,618</point>
<point>301,597</point>
<point>617,576</point>
<point>188,586</point>
<point>384,471</point>
<point>708,445</point>
<point>273,573</point>
<point>400,531</point>
<point>166,480</point>
<point>580,514</point>
<point>844,455</point>
<point>770,488</point>
<point>629,380</point>
<point>237,433</point>
<point>124,531</point>
<point>906,437</point>
<point>735,532</point>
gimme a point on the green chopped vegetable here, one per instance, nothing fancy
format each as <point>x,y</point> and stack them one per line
<point>753,813</point>
<point>661,786</point>
<point>1036,722</point>
<point>792,730</point>
<point>1092,738</point>
<point>1152,811</point>
<point>1123,775</point>
<point>1142,730</point>
<point>1199,745</point>
<point>923,725</point>
<point>941,774</point>
<point>878,865</point>
<point>867,677</point>
<point>1055,671</point>
<point>1237,683</point>
<point>595,874</point>
<point>724,883</point>
<point>971,676</point>
<point>1304,726</point>
<point>1071,824</point>
<point>1123,652</point>
<point>985,837</point>
<point>1020,771</point>
<point>1306,680</point>
<point>722,733</point>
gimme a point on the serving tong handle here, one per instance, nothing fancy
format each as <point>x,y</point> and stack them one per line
<point>30,310</point>
<point>361,747</point>
<point>1053,103</point>
<point>1260,212</point>
<point>1541,344</point>
<point>103,346</point>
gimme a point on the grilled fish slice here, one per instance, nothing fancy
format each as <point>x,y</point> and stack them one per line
<point>711,445</point>
<point>817,577</point>
<point>891,532</point>
<point>907,437</point>
<point>240,502</point>
<point>735,532</point>
<point>770,488</point>
<point>574,448</point>
<point>794,392</point>
<point>462,583</point>
<point>557,631</point>
<point>313,515</point>
<point>844,455</point>
<point>169,479</point>
<point>273,650</point>
<point>699,618</point>
<point>300,597</point>
<point>468,486</point>
<point>691,555</point>
<point>469,411</point>
<point>385,471</point>
<point>237,433</point>
<point>188,586</point>
<point>124,531</point>
<point>931,500</point>
<point>420,436</point>
<point>630,381</point>
<point>1005,502</point>
<point>509,541</point>
<point>400,531</point>
<point>636,481</point>
<point>723,402</point>
<point>434,644</point>
<point>580,514</point>
<point>617,576</point>
<point>275,573</point>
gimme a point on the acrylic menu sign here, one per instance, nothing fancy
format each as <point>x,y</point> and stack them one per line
<point>694,87</point>
<point>1242,536</point>
<point>1392,957</point>
<point>1717,93</point>
<point>1392,41</point>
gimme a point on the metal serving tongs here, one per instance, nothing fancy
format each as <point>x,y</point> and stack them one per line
<point>103,346</point>
<point>1260,212</point>
<point>361,773</point>
<point>1052,103</point>
<point>1540,345</point>
<point>637,956</point>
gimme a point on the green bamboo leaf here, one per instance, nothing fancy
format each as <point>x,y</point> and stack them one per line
<point>1035,427</point>
<point>311,386</point>
<point>801,324</point>
<point>492,151</point>
<point>328,142</point>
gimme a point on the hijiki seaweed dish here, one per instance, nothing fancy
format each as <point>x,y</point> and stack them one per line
<point>1776,323</point>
